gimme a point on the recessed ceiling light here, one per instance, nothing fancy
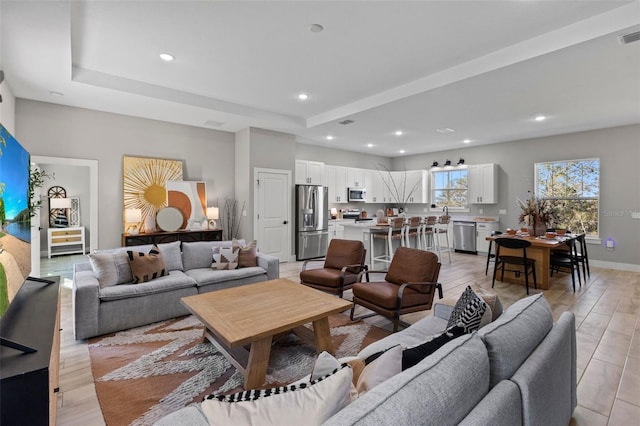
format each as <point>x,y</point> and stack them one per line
<point>402,151</point>
<point>540,118</point>
<point>316,28</point>
<point>329,138</point>
<point>466,141</point>
<point>303,96</point>
<point>399,133</point>
<point>370,145</point>
<point>167,57</point>
<point>54,93</point>
<point>445,130</point>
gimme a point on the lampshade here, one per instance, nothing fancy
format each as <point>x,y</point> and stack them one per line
<point>133,215</point>
<point>60,203</point>
<point>447,163</point>
<point>434,164</point>
<point>460,161</point>
<point>334,211</point>
<point>212,213</point>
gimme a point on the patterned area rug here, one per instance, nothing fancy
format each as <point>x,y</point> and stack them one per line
<point>144,373</point>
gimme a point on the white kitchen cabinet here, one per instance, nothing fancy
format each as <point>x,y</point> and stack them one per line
<point>376,189</point>
<point>309,172</point>
<point>402,184</point>
<point>483,184</point>
<point>336,228</point>
<point>336,181</point>
<point>355,178</point>
<point>484,230</point>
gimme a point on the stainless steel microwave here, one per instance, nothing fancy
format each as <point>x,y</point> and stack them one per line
<point>356,194</point>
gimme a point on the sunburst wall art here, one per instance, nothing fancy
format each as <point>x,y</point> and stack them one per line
<point>145,186</point>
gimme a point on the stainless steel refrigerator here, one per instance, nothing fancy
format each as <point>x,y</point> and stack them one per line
<point>312,221</point>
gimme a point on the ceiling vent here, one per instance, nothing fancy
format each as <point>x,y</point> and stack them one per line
<point>213,123</point>
<point>629,38</point>
<point>345,122</point>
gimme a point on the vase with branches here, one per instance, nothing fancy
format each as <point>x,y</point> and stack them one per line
<point>231,219</point>
<point>536,213</point>
<point>396,184</point>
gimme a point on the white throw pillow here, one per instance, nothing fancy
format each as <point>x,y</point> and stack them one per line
<point>303,404</point>
<point>111,268</point>
<point>382,368</point>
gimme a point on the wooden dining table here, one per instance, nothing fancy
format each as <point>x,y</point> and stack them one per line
<point>540,251</point>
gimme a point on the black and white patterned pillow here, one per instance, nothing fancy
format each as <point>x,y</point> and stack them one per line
<point>468,311</point>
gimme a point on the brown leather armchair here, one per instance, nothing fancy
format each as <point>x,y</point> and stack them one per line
<point>409,286</point>
<point>343,267</point>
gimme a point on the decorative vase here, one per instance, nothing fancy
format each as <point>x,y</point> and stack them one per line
<point>150,224</point>
<point>538,229</point>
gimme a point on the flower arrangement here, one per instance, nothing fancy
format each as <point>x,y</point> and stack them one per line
<point>535,210</point>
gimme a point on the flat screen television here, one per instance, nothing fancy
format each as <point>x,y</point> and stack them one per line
<point>15,217</point>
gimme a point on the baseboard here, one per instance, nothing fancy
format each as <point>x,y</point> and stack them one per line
<point>615,265</point>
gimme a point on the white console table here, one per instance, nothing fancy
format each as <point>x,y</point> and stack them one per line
<point>66,240</point>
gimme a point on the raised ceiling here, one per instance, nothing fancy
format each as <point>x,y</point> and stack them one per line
<point>482,68</point>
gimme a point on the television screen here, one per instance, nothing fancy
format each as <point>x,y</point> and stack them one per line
<point>15,217</point>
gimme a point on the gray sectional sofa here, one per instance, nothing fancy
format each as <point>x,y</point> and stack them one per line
<point>518,370</point>
<point>100,309</point>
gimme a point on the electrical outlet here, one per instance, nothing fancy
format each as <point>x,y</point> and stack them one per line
<point>502,211</point>
<point>480,211</point>
<point>244,213</point>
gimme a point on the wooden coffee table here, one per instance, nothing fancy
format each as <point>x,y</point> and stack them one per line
<point>253,314</point>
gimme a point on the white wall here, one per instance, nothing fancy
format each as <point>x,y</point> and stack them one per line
<point>61,131</point>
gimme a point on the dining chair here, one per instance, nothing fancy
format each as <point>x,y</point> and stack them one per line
<point>501,260</point>
<point>566,259</point>
<point>581,254</point>
<point>490,254</point>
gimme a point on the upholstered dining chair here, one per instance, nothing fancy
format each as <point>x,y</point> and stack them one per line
<point>503,259</point>
<point>343,266</point>
<point>409,286</point>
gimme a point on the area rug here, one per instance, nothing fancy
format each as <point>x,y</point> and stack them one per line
<point>147,372</point>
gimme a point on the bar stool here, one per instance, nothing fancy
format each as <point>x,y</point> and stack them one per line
<point>428,226</point>
<point>393,233</point>
<point>442,227</point>
<point>412,230</point>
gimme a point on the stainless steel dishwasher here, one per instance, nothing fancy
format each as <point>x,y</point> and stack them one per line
<point>464,237</point>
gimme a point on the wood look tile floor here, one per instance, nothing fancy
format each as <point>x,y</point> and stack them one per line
<point>607,309</point>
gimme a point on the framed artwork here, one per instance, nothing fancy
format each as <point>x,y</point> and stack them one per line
<point>55,192</point>
<point>74,212</point>
<point>145,186</point>
<point>190,197</point>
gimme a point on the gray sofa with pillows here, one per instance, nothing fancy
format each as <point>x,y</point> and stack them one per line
<point>519,369</point>
<point>106,300</point>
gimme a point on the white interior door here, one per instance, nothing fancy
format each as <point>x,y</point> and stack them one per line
<point>273,208</point>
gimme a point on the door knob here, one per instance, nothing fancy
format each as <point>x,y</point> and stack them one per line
<point>285,222</point>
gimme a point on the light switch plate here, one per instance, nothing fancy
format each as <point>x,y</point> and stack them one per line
<point>502,211</point>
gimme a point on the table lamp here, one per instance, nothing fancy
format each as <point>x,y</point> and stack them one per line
<point>212,215</point>
<point>61,205</point>
<point>334,212</point>
<point>133,217</point>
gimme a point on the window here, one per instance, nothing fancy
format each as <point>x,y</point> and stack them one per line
<point>449,188</point>
<point>573,189</point>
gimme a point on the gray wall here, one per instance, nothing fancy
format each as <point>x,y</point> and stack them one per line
<point>617,148</point>
<point>59,131</point>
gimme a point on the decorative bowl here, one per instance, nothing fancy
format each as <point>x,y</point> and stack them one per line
<point>511,232</point>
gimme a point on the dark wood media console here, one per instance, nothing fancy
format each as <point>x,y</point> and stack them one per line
<point>29,381</point>
<point>168,237</point>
